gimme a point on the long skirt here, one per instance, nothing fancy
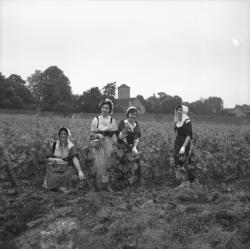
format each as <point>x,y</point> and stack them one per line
<point>183,161</point>
<point>65,178</point>
<point>102,156</point>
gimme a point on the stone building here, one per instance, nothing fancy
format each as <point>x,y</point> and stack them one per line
<point>241,111</point>
<point>124,100</point>
<point>123,92</point>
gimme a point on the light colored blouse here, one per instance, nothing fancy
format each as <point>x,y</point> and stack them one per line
<point>104,124</point>
<point>61,152</point>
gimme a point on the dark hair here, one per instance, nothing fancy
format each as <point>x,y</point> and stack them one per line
<point>131,111</point>
<point>63,129</point>
<point>178,106</point>
<point>106,103</point>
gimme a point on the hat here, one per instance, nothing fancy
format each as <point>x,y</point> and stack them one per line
<point>131,108</point>
<point>109,103</point>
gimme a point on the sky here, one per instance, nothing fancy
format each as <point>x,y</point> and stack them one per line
<point>188,48</point>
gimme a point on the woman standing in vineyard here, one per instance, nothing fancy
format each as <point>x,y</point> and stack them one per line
<point>63,155</point>
<point>129,131</point>
<point>183,129</point>
<point>102,141</point>
<point>128,140</point>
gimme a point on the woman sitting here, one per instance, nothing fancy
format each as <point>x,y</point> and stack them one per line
<point>63,155</point>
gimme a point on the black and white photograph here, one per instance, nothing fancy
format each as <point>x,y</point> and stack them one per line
<point>124,124</point>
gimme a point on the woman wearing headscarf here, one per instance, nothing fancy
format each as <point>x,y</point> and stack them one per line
<point>183,130</point>
<point>62,157</point>
<point>102,140</point>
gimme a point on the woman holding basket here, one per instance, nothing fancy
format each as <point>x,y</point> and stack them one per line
<point>102,141</point>
<point>128,171</point>
<point>62,157</point>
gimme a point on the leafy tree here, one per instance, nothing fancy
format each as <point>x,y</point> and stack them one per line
<point>164,100</point>
<point>2,77</point>
<point>198,107</point>
<point>50,87</point>
<point>141,98</point>
<point>152,104</point>
<point>162,94</point>
<point>35,85</point>
<point>214,105</point>
<point>5,93</point>
<point>164,103</point>
<point>109,91</point>
<point>89,101</point>
<point>76,103</point>
<point>176,100</point>
<point>14,93</point>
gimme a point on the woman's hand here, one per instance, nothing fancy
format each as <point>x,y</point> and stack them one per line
<point>182,150</point>
<point>122,134</point>
<point>56,160</point>
<point>51,159</point>
<point>100,136</point>
<point>78,167</point>
<point>81,175</point>
<point>135,150</point>
<point>126,126</point>
<point>96,136</point>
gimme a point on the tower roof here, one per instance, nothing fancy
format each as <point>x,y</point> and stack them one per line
<point>123,86</point>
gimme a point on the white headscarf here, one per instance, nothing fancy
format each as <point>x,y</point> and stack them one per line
<point>69,143</point>
<point>184,117</point>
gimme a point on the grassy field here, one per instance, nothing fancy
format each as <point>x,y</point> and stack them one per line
<point>213,213</point>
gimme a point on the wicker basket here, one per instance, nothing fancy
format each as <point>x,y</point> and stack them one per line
<point>95,143</point>
<point>58,167</point>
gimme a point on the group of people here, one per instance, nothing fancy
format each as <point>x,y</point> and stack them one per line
<point>105,136</point>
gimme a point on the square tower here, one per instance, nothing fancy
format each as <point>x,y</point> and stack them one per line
<point>123,92</point>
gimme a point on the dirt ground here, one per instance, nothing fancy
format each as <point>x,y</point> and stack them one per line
<point>147,217</point>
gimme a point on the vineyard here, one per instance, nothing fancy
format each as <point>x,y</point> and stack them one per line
<point>213,213</point>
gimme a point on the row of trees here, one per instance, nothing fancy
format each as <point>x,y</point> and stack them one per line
<point>14,93</point>
<point>164,103</point>
<point>50,90</point>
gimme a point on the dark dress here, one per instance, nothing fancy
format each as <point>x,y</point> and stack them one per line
<point>131,135</point>
<point>126,168</point>
<point>181,134</point>
<point>61,176</point>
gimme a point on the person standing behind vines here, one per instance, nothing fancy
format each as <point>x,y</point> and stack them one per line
<point>129,130</point>
<point>128,140</point>
<point>183,130</point>
<point>102,140</point>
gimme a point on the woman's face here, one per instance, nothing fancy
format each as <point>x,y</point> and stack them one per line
<point>132,115</point>
<point>179,113</point>
<point>63,136</point>
<point>105,110</point>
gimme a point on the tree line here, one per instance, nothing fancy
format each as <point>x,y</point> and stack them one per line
<point>50,90</point>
